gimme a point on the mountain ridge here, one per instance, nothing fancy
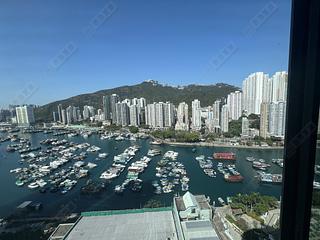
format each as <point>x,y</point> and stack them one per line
<point>152,90</point>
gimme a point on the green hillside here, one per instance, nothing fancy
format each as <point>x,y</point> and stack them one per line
<point>151,90</point>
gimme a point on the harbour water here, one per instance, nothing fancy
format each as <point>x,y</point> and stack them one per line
<point>74,201</point>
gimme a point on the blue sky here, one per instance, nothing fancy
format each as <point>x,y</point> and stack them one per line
<point>174,42</point>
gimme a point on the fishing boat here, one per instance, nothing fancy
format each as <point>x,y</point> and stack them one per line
<point>19,183</point>
<point>250,159</point>
<point>33,185</point>
<point>103,155</point>
<point>233,178</point>
<point>156,142</point>
<point>270,178</point>
<point>153,152</point>
<point>118,189</point>
<point>224,156</point>
<point>200,158</point>
<point>91,165</point>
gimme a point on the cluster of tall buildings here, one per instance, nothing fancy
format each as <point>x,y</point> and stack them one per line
<point>128,112</point>
<point>160,115</point>
<point>73,114</point>
<point>261,95</point>
<point>22,115</point>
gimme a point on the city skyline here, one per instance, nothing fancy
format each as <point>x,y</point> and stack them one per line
<point>176,54</point>
<point>262,95</point>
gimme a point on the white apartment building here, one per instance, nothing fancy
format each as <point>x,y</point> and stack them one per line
<point>196,115</point>
<point>234,102</point>
<point>224,119</point>
<point>25,115</point>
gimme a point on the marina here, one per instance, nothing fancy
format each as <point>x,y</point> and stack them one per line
<point>99,172</point>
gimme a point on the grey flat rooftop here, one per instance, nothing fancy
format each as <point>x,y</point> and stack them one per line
<point>199,230</point>
<point>133,226</point>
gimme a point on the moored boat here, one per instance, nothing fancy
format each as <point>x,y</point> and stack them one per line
<point>224,156</point>
<point>233,178</point>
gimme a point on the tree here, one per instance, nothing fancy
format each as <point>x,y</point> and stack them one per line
<point>235,127</point>
<point>133,129</point>
<point>152,204</point>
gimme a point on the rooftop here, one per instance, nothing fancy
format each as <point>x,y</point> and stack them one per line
<point>129,224</point>
<point>61,231</point>
<point>199,230</point>
<point>201,201</point>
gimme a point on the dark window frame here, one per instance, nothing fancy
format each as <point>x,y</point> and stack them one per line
<point>301,119</point>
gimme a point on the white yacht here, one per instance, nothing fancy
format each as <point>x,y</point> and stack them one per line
<point>33,185</point>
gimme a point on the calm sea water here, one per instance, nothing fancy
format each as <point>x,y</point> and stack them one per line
<point>73,201</point>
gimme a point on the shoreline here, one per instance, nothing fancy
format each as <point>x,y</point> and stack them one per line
<point>207,144</point>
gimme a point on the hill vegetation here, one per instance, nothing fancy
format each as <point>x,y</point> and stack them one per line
<point>151,90</point>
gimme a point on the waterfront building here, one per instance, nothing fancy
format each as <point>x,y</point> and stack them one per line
<point>279,82</point>
<point>168,112</point>
<point>5,115</point>
<point>122,114</point>
<point>245,127</point>
<point>182,117</point>
<point>69,112</point>
<point>64,116</point>
<point>134,101</point>
<point>277,114</point>
<point>114,99</point>
<point>60,113</point>
<point>88,111</point>
<point>196,115</point>
<point>55,116</point>
<point>159,115</point>
<point>211,122</point>
<point>264,120</point>
<point>224,119</point>
<point>134,115</point>
<point>106,107</point>
<point>127,101</point>
<point>142,102</point>
<point>255,91</point>
<point>79,114</point>
<point>76,114</point>
<point>234,102</point>
<point>25,115</point>
<point>150,115</point>
<point>216,111</point>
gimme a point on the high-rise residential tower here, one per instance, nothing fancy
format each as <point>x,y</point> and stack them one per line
<point>106,107</point>
<point>245,127</point>
<point>60,113</point>
<point>234,102</point>
<point>255,91</point>
<point>224,118</point>
<point>114,99</point>
<point>134,115</point>
<point>182,117</point>
<point>25,115</point>
<point>196,115</point>
<point>264,120</point>
<point>277,119</point>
